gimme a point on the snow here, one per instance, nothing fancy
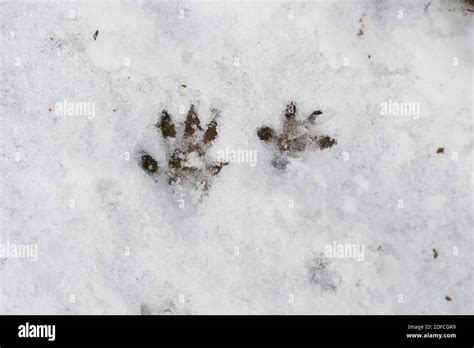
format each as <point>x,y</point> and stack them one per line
<point>114,240</point>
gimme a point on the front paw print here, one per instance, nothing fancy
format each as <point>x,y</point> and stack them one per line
<point>186,150</point>
<point>295,137</point>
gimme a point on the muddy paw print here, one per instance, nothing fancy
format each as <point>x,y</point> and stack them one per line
<point>186,150</point>
<point>295,137</point>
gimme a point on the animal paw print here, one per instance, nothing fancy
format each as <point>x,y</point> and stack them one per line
<point>295,137</point>
<point>187,159</point>
<point>320,274</point>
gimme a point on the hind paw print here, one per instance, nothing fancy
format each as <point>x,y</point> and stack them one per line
<point>295,137</point>
<point>186,150</point>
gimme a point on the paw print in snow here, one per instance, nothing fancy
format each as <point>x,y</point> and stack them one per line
<point>186,150</point>
<point>295,137</point>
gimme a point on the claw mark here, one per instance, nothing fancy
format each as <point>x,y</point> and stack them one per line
<point>167,126</point>
<point>192,123</point>
<point>360,34</point>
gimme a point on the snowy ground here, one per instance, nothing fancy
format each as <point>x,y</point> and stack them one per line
<point>112,239</point>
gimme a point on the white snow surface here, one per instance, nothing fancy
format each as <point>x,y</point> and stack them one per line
<point>113,240</point>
